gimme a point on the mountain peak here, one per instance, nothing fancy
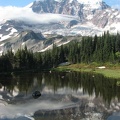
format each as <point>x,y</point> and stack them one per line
<point>88,1</point>
<point>80,1</point>
<point>93,4</point>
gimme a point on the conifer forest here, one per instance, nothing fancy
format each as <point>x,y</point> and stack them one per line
<point>99,49</point>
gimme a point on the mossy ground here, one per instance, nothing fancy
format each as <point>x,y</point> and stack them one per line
<point>110,70</point>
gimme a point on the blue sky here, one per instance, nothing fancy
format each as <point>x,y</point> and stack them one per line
<point>21,3</point>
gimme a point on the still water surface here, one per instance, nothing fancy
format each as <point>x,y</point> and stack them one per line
<point>64,96</point>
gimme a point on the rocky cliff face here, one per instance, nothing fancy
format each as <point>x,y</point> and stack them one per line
<point>25,38</point>
<point>69,7</point>
<point>98,12</point>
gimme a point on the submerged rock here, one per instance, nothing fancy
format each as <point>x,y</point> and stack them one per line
<point>36,94</point>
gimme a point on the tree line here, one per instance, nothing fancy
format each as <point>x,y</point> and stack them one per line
<point>100,49</point>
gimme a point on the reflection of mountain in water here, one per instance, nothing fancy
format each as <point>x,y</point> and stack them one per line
<point>64,95</point>
<point>57,82</point>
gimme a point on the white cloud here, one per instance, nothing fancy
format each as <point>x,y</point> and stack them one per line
<point>27,15</point>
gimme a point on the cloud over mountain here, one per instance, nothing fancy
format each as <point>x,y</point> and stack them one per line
<point>27,15</point>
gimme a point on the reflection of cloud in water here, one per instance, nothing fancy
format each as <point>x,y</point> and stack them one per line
<point>62,98</point>
<point>30,107</point>
<point>25,107</point>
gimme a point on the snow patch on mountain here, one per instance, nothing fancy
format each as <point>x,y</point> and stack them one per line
<point>93,3</point>
<point>113,28</point>
<point>118,16</point>
<point>86,29</point>
<point>88,1</point>
<point>13,30</point>
<point>2,45</point>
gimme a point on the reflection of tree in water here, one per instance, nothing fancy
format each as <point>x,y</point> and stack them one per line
<point>98,84</point>
<point>25,82</point>
<point>7,82</point>
<point>91,83</point>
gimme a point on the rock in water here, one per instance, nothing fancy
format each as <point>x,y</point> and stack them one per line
<point>36,94</point>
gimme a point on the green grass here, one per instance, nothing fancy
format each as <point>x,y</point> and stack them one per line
<point>112,71</point>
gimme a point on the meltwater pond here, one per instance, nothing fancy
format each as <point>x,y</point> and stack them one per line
<point>64,96</point>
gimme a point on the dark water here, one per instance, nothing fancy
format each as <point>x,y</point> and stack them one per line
<point>64,96</point>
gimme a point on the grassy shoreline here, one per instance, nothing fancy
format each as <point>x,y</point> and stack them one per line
<point>112,71</point>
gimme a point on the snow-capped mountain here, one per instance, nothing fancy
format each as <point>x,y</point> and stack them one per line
<point>62,17</point>
<point>69,7</point>
<point>96,12</point>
